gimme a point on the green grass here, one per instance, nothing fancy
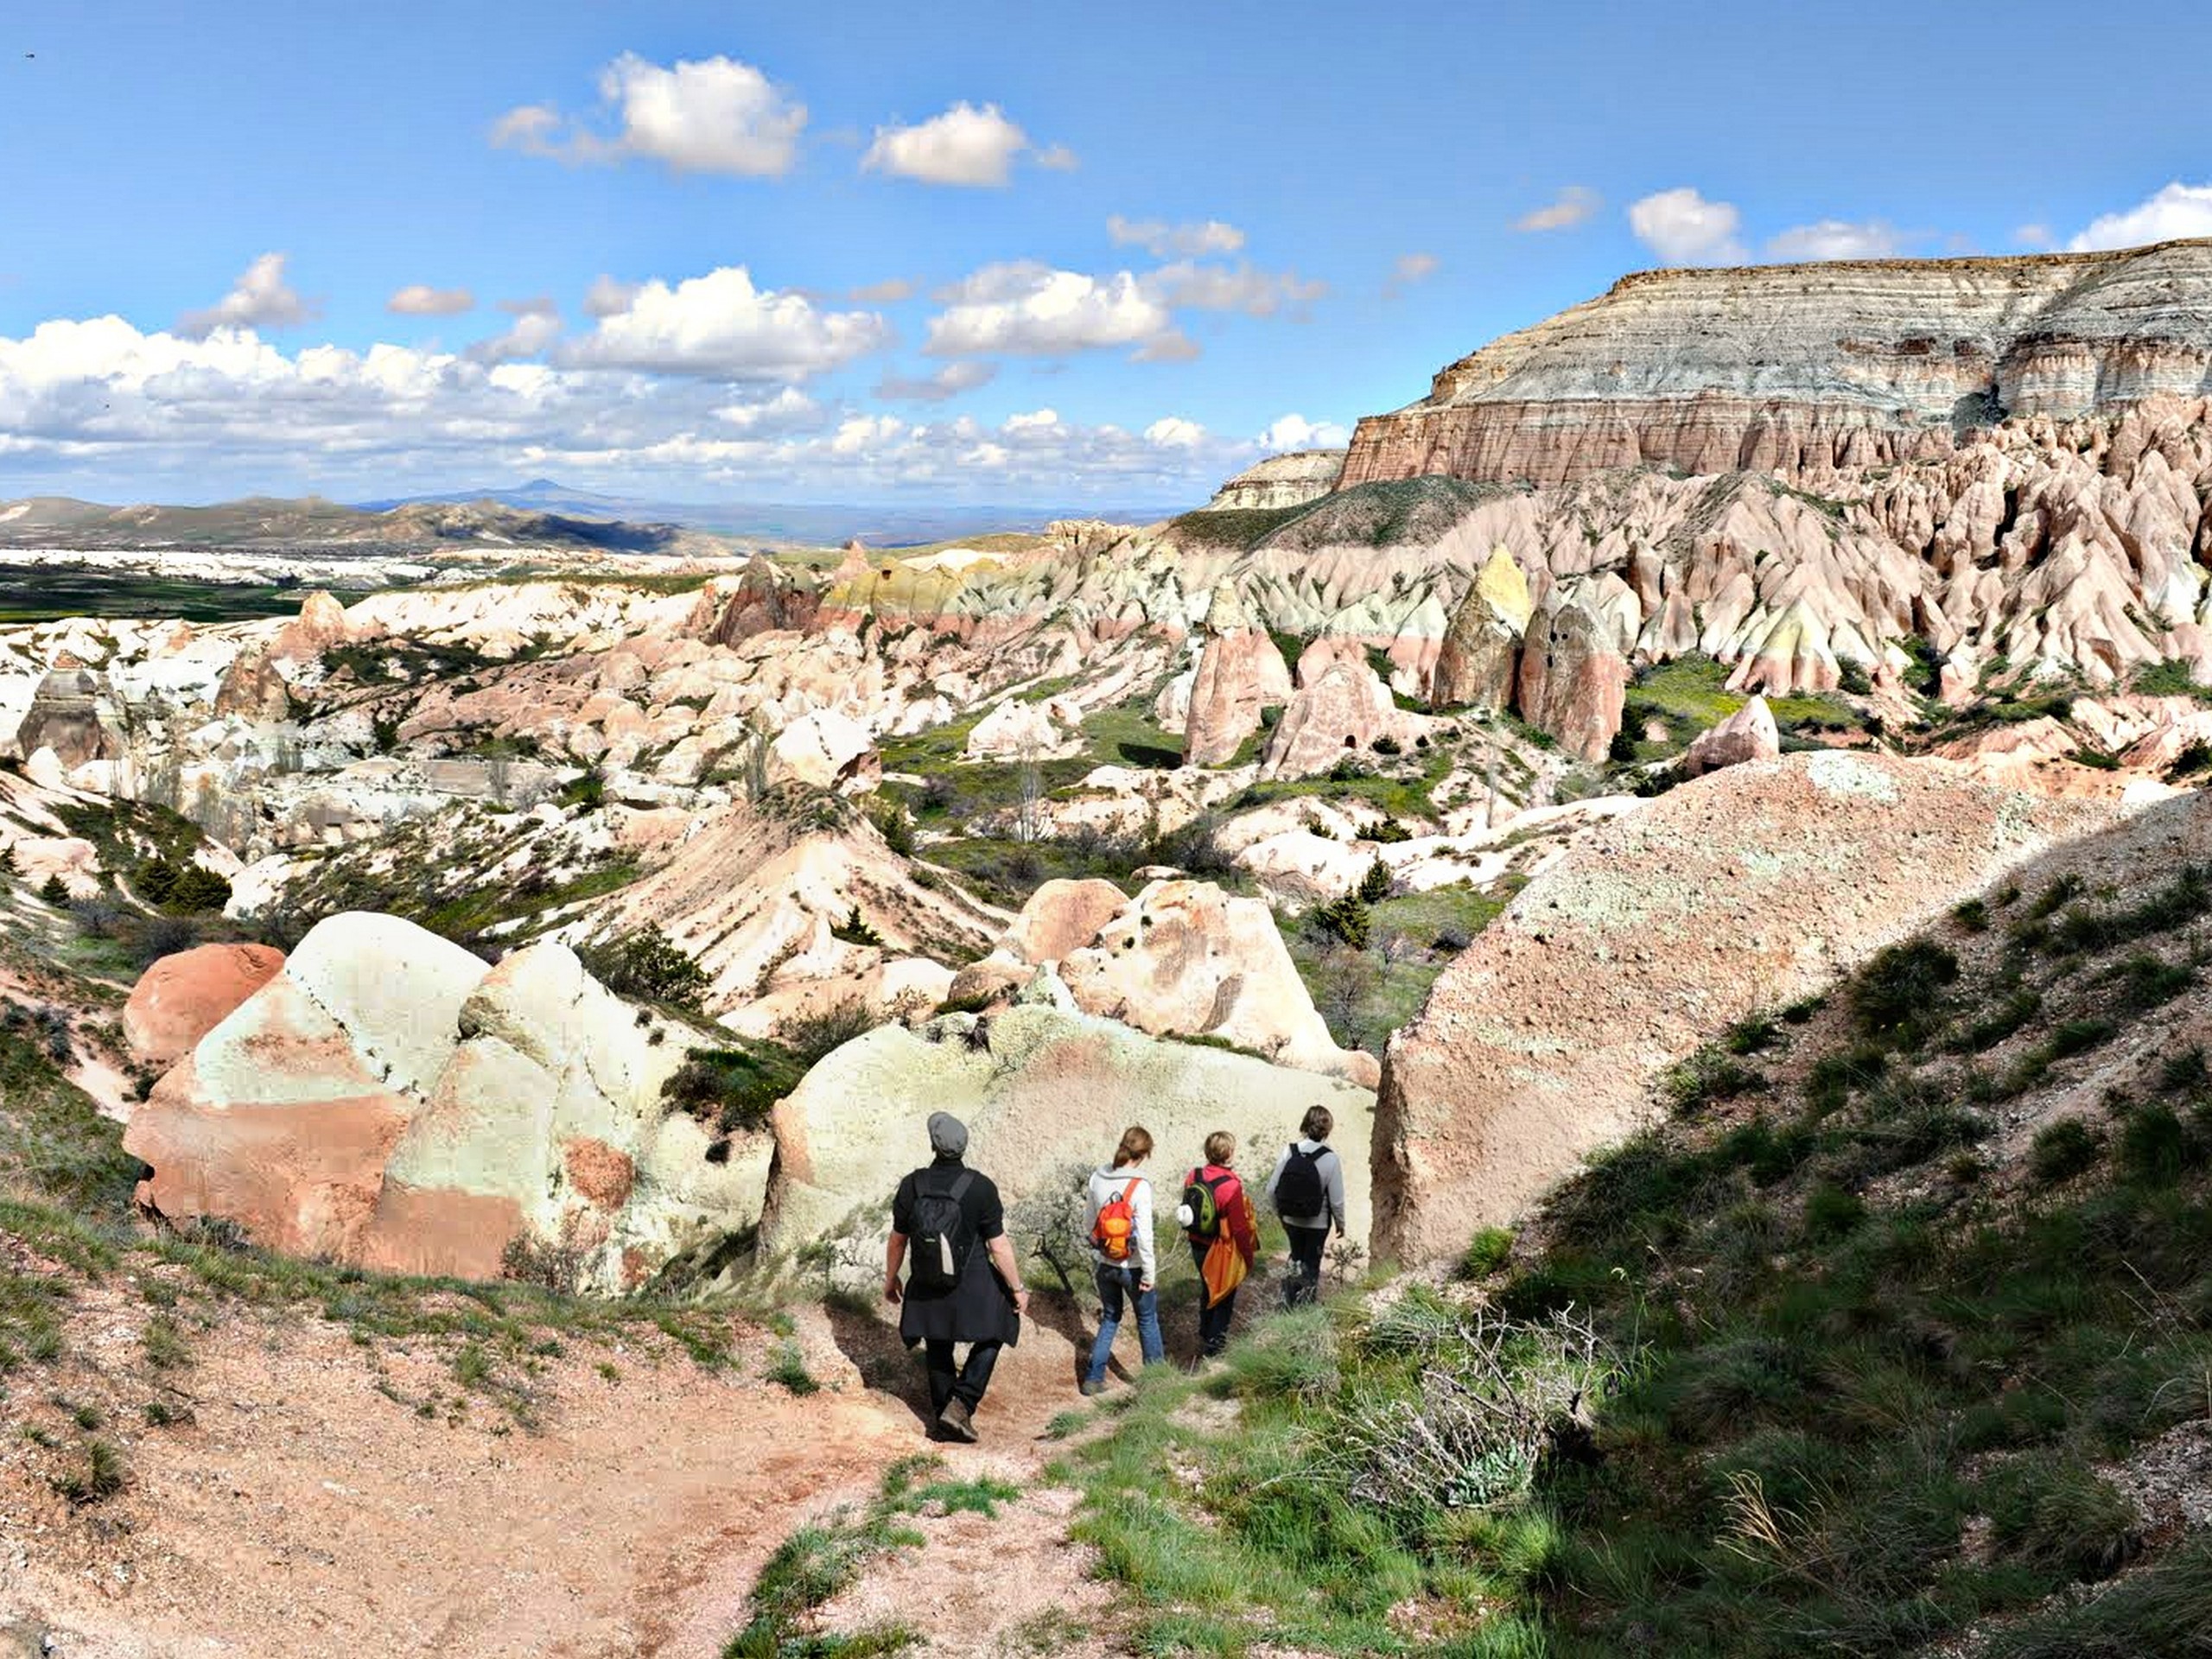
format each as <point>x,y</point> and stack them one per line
<point>1689,695</point>
<point>1367,995</point>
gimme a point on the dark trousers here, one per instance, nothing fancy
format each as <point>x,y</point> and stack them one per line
<point>1214,1321</point>
<point>1306,1244</point>
<point>965,1383</point>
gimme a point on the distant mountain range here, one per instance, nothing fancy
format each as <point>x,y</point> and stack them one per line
<point>783,523</point>
<point>264,525</point>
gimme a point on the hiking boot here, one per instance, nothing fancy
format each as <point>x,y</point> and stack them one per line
<point>952,1423</point>
<point>1088,1388</point>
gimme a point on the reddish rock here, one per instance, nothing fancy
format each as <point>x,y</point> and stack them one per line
<point>252,689</point>
<point>598,1172</point>
<point>1240,673</point>
<point>1342,712</point>
<point>183,997</point>
<point>1573,681</point>
<point>1750,733</point>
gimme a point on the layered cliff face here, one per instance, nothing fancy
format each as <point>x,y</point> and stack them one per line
<point>1806,370</point>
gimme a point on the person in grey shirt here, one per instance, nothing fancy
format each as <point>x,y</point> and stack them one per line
<point>1307,1191</point>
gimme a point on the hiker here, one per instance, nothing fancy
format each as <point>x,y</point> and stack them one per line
<point>955,1292</point>
<point>1119,1203</point>
<point>1307,1190</point>
<point>1216,1218</point>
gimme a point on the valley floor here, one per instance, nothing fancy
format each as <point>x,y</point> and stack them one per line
<point>327,1498</point>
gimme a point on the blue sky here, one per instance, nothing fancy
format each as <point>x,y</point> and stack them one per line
<point>1036,253</point>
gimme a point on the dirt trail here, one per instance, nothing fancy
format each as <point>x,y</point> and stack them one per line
<point>312,1507</point>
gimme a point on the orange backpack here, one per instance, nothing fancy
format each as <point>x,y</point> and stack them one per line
<point>1116,1224</point>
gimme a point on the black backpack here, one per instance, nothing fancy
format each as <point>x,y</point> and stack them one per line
<point>941,1241</point>
<point>1300,1189</point>
<point>1202,1204</point>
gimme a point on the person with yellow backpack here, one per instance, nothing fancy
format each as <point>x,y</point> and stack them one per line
<point>1119,1202</point>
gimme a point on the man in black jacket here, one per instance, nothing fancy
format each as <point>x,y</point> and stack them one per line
<point>955,1292</point>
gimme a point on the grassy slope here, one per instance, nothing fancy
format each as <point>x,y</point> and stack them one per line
<point>1857,1389</point>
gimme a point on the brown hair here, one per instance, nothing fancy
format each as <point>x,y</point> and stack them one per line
<point>1135,1148</point>
<point>1316,1123</point>
<point>1221,1146</point>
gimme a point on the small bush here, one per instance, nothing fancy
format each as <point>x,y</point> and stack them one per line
<point>650,967</point>
<point>811,1036</point>
<point>1971,916</point>
<point>1708,1076</point>
<point>1831,1212</point>
<point>1291,1356</point>
<point>854,930</point>
<point>1487,1251</point>
<point>1374,886</point>
<point>2062,1150</point>
<point>1900,986</point>
<point>103,1474</point>
<point>2153,1146</point>
<point>2060,1516</point>
<point>54,890</point>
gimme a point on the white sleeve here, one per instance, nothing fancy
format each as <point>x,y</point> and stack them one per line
<point>1337,1188</point>
<point>1141,1216</point>
<point>1282,1157</point>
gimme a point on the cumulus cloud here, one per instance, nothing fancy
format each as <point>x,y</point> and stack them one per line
<point>720,325</point>
<point>1296,432</point>
<point>81,400</point>
<point>261,298</point>
<point>1174,432</point>
<point>536,325</point>
<point>421,300</point>
<point>964,146</point>
<point>1225,288</point>
<point>1161,240</point>
<point>1838,239</point>
<point>2179,210</point>
<point>948,382</point>
<point>1683,228</point>
<point>711,115</point>
<point>1023,308</point>
<point>1573,206</point>
<point>605,296</point>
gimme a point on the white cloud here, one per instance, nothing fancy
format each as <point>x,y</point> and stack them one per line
<point>887,292</point>
<point>720,325</point>
<point>947,382</point>
<point>2035,235</point>
<point>261,298</point>
<point>605,296</point>
<point>712,115</point>
<point>421,300</point>
<point>1296,432</point>
<point>1573,205</point>
<point>536,325</point>
<point>2179,210</point>
<point>1174,432</point>
<point>1058,158</point>
<point>1027,309</point>
<point>1683,228</point>
<point>1223,287</point>
<point>964,146</point>
<point>1035,420</point>
<point>1160,238</point>
<point>1414,267</point>
<point>1838,239</point>
<point>1173,346</point>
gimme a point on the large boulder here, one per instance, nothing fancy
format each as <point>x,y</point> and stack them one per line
<point>1240,673</point>
<point>1041,1090</point>
<point>1186,958</point>
<point>388,1100</point>
<point>826,750</point>
<point>282,1118</point>
<point>548,1126</point>
<point>1745,890</point>
<point>1342,711</point>
<point>184,996</point>
<point>1027,731</point>
<point>1748,734</point>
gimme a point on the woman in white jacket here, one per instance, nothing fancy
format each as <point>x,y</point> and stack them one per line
<point>1121,1255</point>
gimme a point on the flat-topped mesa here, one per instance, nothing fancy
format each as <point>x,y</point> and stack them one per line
<point>1286,480</point>
<point>1804,370</point>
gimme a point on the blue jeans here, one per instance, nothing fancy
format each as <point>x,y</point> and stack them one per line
<point>1115,1284</point>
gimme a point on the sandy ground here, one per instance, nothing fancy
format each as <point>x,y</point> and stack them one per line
<point>310,1507</point>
